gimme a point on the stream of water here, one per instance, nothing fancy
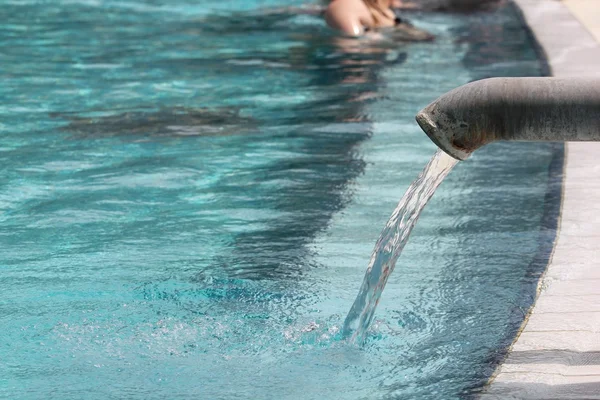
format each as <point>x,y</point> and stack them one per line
<point>392,240</point>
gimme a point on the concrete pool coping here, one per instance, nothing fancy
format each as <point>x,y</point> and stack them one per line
<point>556,354</point>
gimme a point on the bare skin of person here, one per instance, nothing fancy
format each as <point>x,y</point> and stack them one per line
<point>355,17</point>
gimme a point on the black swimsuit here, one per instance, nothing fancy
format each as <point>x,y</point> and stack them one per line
<point>397,19</point>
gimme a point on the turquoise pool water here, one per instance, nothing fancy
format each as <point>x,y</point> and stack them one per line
<point>190,192</point>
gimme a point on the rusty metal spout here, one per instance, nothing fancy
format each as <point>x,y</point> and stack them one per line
<point>524,109</point>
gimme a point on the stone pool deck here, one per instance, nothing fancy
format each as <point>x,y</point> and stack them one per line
<point>557,352</point>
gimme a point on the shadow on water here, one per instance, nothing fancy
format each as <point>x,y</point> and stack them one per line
<point>174,121</point>
<point>320,133</point>
<point>500,44</point>
<point>317,182</point>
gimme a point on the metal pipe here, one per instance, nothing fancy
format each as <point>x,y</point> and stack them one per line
<point>525,109</point>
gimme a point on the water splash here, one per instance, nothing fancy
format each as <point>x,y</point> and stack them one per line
<point>392,240</point>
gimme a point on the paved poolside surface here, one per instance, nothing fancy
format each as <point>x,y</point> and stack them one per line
<point>557,354</point>
<point>588,13</point>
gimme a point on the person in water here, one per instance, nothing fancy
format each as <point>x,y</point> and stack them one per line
<point>355,17</point>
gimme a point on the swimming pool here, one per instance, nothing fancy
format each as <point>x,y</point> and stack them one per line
<point>189,195</point>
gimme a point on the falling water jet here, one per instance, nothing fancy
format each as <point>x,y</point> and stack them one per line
<point>460,122</point>
<point>392,240</point>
